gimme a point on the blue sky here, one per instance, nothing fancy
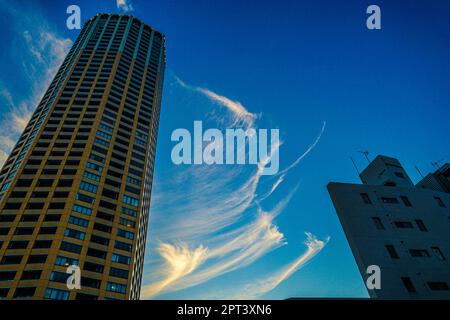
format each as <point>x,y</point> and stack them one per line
<point>295,64</point>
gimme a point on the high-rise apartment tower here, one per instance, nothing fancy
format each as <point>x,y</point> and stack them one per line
<point>75,189</point>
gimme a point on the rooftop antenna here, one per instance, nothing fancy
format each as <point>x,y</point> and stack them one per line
<point>436,163</point>
<point>366,154</point>
<point>354,164</point>
<point>417,168</point>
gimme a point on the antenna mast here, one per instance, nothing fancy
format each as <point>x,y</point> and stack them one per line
<point>436,163</point>
<point>366,154</point>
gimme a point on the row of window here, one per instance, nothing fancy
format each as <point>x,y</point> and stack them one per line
<point>416,253</point>
<point>432,285</point>
<point>59,294</point>
<point>401,224</point>
<point>393,200</point>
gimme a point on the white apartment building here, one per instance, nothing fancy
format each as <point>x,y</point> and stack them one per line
<point>403,229</point>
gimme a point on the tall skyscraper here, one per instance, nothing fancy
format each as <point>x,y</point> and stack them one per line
<point>76,187</point>
<point>401,228</point>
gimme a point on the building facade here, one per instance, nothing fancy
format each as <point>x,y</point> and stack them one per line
<point>76,188</point>
<point>438,180</point>
<point>402,228</point>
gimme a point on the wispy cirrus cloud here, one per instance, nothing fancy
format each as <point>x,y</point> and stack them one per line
<point>239,113</point>
<point>41,53</point>
<point>124,5</point>
<point>217,225</point>
<point>259,287</point>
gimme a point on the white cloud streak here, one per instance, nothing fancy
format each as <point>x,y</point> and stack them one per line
<point>310,148</point>
<point>217,225</point>
<point>124,5</point>
<point>239,113</point>
<point>256,289</point>
<point>43,52</point>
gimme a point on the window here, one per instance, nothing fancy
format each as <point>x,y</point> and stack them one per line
<point>134,181</point>
<point>104,135</point>
<point>440,202</point>
<point>65,261</point>
<point>91,176</point>
<point>438,253</point>
<point>61,194</point>
<point>3,292</point>
<point>140,142</point>
<point>127,223</point>
<point>406,201</point>
<point>102,142</point>
<point>57,276</point>
<point>93,267</point>
<point>105,127</point>
<point>130,201</point>
<point>42,244</point>
<point>29,218</point>
<point>438,286</point>
<point>88,187</point>
<point>105,216</point>
<point>24,231</point>
<point>45,183</point>
<point>123,246</point>
<point>389,200</point>
<point>129,212</point>
<point>408,284</point>
<point>78,221</point>
<point>97,158</point>
<point>85,198</point>
<point>399,174</point>
<point>132,190</point>
<point>4,231</point>
<point>118,273</point>
<point>13,259</point>
<point>56,294</point>
<point>125,234</point>
<point>116,287</point>
<point>91,283</point>
<point>31,274</point>
<point>65,183</point>
<point>403,224</point>
<point>378,224</point>
<point>24,292</point>
<point>419,253</point>
<point>81,209</point>
<point>392,252</point>
<point>52,217</point>
<point>85,296</point>
<point>421,225</point>
<point>18,244</point>
<point>135,172</point>
<point>7,275</point>
<point>7,217</point>
<point>94,166</point>
<point>37,258</point>
<point>47,230</point>
<point>96,253</point>
<point>70,247</point>
<point>120,258</point>
<point>365,197</point>
<point>72,233</point>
